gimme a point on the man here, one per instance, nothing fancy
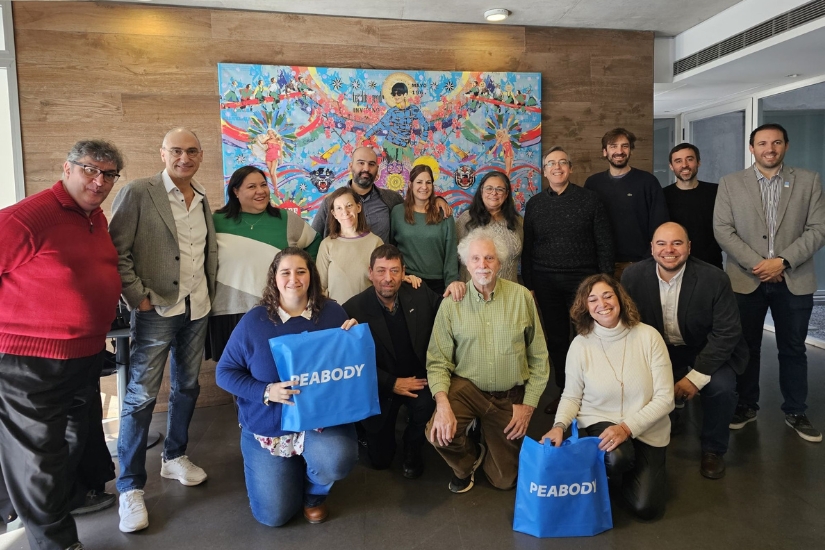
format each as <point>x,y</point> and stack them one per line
<point>567,237</point>
<point>690,203</point>
<point>633,197</point>
<point>401,320</point>
<point>59,288</point>
<point>770,220</point>
<point>692,305</point>
<point>377,202</point>
<point>487,360</point>
<point>162,229</point>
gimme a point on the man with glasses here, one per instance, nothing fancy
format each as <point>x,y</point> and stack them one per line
<point>633,198</point>
<point>163,231</point>
<point>567,238</point>
<point>59,286</point>
<point>770,220</point>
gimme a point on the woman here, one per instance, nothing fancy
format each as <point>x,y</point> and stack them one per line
<point>423,235</point>
<point>493,207</point>
<point>250,231</point>
<point>344,256</point>
<point>620,388</point>
<point>284,470</point>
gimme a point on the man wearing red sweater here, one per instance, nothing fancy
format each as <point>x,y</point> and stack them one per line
<point>59,285</point>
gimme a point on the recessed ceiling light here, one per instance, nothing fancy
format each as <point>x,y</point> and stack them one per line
<point>498,14</point>
<point>794,75</point>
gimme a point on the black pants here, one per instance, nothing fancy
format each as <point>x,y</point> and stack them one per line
<point>43,429</point>
<point>642,467</point>
<point>555,293</point>
<point>381,443</point>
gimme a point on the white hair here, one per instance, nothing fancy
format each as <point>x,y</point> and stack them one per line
<point>482,234</point>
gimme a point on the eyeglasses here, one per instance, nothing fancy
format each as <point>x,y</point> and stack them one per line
<point>177,152</point>
<point>561,163</point>
<point>497,190</point>
<point>109,176</point>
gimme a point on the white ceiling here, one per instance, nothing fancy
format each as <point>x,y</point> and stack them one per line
<point>760,70</point>
<point>666,17</point>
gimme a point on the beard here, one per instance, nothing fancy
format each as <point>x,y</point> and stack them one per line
<point>618,162</point>
<point>681,177</point>
<point>483,277</point>
<point>363,180</point>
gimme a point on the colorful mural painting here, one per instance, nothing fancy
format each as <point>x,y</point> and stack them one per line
<point>301,125</point>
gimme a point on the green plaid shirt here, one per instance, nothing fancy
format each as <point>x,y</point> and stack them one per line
<point>496,344</point>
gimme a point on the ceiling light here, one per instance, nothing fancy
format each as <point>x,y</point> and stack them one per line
<point>498,14</point>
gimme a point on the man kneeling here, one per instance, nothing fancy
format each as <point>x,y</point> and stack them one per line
<point>487,360</point>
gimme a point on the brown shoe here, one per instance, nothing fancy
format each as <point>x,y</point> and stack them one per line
<point>316,514</point>
<point>713,466</point>
<point>553,406</point>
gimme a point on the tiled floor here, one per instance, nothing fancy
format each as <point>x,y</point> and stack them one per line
<point>773,497</point>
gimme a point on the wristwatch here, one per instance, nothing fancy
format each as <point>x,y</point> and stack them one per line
<point>266,395</point>
<point>785,262</point>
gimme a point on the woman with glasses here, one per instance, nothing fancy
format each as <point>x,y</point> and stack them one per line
<point>344,256</point>
<point>425,237</point>
<point>493,207</point>
<point>250,232</point>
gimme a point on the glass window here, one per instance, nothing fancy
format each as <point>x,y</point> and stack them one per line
<point>664,138</point>
<point>721,140</point>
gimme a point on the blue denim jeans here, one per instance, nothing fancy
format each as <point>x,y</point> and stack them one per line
<point>152,337</point>
<point>279,487</point>
<point>791,314</point>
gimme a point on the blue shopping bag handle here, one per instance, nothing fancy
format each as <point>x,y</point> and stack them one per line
<point>573,439</point>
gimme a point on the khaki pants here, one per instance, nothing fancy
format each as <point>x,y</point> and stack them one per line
<point>494,412</point>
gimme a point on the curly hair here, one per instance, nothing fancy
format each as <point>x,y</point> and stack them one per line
<point>580,314</point>
<point>271,299</point>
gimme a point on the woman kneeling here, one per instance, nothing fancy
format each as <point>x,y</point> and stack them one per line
<point>284,471</point>
<point>619,385</point>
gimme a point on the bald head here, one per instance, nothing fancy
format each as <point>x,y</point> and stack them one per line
<point>670,248</point>
<point>180,131</point>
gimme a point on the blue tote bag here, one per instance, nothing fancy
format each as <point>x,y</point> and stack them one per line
<point>562,491</point>
<point>335,371</point>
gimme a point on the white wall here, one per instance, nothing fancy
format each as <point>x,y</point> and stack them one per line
<point>12,188</point>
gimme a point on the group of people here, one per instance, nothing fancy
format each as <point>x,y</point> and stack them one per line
<point>622,295</point>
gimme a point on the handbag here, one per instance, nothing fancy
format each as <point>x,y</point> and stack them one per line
<point>335,371</point>
<point>562,491</point>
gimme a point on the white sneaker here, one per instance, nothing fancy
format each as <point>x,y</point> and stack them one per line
<point>133,514</point>
<point>183,470</point>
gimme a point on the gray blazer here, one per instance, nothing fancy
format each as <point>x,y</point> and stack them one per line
<point>740,228</point>
<point>146,238</point>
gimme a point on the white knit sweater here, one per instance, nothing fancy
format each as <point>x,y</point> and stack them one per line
<point>593,390</point>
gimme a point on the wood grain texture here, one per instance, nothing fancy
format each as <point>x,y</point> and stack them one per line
<point>129,73</point>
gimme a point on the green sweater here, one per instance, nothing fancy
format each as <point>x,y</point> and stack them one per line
<point>430,251</point>
<point>245,252</point>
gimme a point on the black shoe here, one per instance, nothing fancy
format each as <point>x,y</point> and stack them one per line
<point>742,416</point>
<point>413,465</point>
<point>713,465</point>
<point>10,518</point>
<point>94,502</point>
<point>459,485</point>
<point>803,427</point>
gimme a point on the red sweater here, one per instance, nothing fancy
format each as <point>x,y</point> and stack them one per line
<point>59,283</point>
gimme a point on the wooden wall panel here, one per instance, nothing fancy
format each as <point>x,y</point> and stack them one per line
<point>128,73</point>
